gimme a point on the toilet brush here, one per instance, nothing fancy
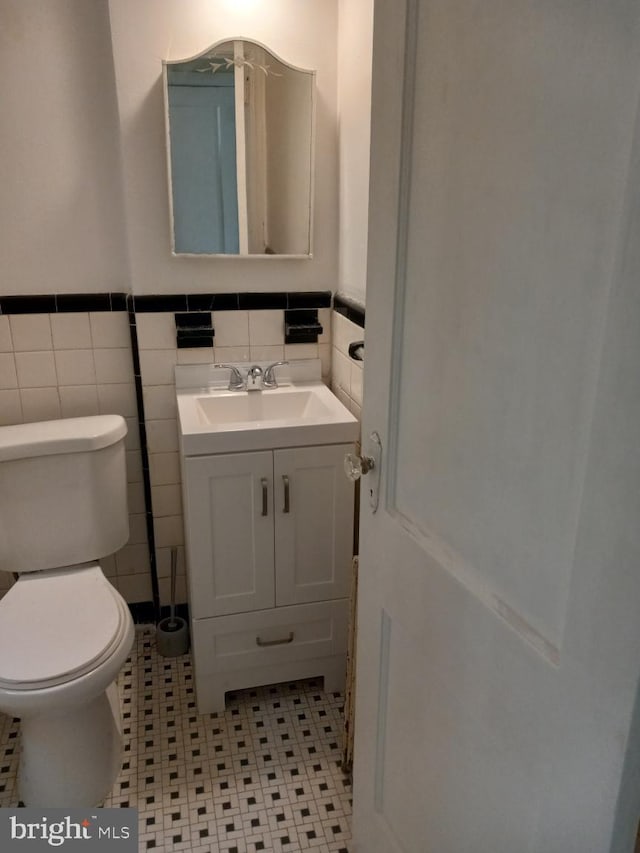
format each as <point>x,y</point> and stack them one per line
<point>172,625</point>
<point>172,634</point>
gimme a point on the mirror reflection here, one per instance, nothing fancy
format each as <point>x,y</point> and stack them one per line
<point>240,152</point>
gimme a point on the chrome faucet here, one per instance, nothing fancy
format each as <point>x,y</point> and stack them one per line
<point>269,377</point>
<point>254,372</point>
<point>236,381</point>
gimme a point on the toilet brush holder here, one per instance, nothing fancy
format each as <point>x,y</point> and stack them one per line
<point>172,637</point>
<point>172,633</point>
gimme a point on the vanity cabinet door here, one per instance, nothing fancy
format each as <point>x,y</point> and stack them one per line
<point>229,526</point>
<point>313,524</point>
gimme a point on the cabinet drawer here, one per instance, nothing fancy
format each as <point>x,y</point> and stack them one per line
<point>283,634</point>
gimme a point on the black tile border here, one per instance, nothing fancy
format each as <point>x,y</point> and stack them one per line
<point>59,303</point>
<point>144,304</point>
<point>309,299</point>
<point>161,302</point>
<point>83,302</point>
<point>144,454</point>
<point>349,309</point>
<point>271,300</point>
<point>28,304</point>
<point>212,301</point>
<point>261,301</point>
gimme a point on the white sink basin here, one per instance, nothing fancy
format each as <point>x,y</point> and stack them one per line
<point>299,412</point>
<point>240,406</point>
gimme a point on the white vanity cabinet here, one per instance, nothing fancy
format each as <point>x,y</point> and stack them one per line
<point>269,543</point>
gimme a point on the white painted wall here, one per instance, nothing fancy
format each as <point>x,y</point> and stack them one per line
<point>147,31</point>
<point>64,222</point>
<point>355,44</point>
<point>61,209</point>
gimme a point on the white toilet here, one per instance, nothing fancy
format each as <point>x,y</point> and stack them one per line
<point>65,632</point>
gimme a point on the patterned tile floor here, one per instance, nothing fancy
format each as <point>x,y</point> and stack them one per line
<point>265,775</point>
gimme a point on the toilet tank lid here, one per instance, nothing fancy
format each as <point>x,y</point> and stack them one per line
<point>67,435</point>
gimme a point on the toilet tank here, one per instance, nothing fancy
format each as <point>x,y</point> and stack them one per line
<point>63,492</point>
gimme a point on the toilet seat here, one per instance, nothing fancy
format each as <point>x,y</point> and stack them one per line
<point>58,625</point>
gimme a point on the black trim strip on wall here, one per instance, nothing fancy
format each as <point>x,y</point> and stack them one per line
<point>231,301</point>
<point>349,309</point>
<point>144,453</point>
<point>67,302</point>
<point>63,302</point>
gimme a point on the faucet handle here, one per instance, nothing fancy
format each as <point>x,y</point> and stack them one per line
<point>269,378</point>
<point>236,380</point>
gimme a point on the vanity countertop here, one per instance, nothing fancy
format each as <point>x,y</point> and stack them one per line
<point>300,412</point>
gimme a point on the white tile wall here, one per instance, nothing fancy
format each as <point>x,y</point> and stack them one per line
<point>108,330</point>
<point>119,399</point>
<point>135,498</point>
<point>10,408</point>
<point>232,328</point>
<point>78,400</point>
<point>167,500</point>
<point>346,374</point>
<point>71,331</point>
<point>265,328</point>
<point>75,367</point>
<point>113,365</point>
<point>40,404</point>
<point>8,374</point>
<point>36,369</point>
<point>70,365</point>
<point>31,332</point>
<point>76,363</point>
<point>6,343</point>
<point>239,336</point>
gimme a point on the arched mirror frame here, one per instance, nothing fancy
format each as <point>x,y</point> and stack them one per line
<point>241,165</point>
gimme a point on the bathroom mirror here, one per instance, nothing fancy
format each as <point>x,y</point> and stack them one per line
<point>240,140</point>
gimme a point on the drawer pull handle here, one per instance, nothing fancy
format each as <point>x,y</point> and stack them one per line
<point>265,496</point>
<point>287,506</point>
<point>263,643</point>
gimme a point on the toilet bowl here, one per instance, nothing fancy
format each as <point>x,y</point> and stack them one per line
<point>65,631</point>
<point>64,636</point>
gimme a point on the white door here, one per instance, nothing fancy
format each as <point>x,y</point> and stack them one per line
<point>499,611</point>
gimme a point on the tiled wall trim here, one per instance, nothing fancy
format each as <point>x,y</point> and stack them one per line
<point>144,453</point>
<point>349,309</point>
<point>231,301</point>
<point>68,302</point>
<point>63,303</point>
